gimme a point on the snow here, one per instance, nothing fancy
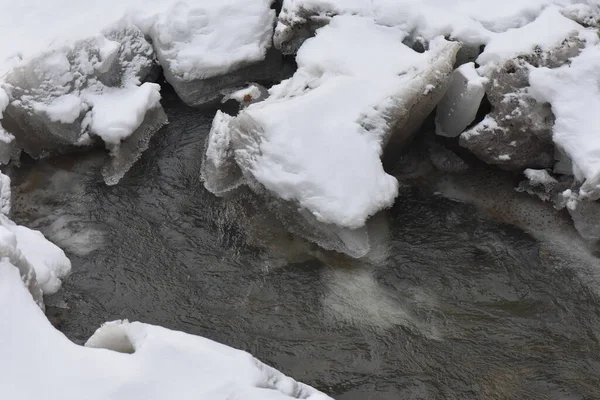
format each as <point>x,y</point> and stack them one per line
<point>123,361</point>
<point>199,40</point>
<point>317,140</point>
<point>547,31</point>
<point>117,113</point>
<point>49,261</point>
<point>574,94</point>
<point>473,22</point>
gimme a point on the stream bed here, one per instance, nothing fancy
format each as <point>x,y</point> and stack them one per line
<point>456,301</point>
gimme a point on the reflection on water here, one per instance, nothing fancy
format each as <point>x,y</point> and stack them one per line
<point>454,302</point>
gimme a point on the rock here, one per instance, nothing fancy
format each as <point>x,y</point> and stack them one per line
<point>459,106</point>
<point>586,217</point>
<point>562,163</point>
<point>517,133</point>
<point>293,28</point>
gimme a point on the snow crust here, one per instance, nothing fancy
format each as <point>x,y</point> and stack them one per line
<point>317,139</point>
<point>123,361</point>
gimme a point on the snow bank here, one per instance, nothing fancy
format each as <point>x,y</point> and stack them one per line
<point>147,362</point>
<point>317,140</point>
<point>473,22</point>
<point>574,94</point>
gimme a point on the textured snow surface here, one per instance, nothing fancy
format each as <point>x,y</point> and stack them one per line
<point>144,362</point>
<point>574,92</point>
<point>197,38</point>
<point>470,21</point>
<point>317,140</point>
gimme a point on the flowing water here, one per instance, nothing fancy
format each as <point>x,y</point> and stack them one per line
<point>492,300</point>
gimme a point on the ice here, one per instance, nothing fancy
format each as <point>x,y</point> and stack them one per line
<point>318,138</point>
<point>459,106</point>
<point>68,84</point>
<point>66,97</point>
<point>124,361</point>
<point>210,46</point>
<point>5,195</point>
<point>49,261</point>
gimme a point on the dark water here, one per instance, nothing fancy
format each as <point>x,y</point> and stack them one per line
<point>455,303</point>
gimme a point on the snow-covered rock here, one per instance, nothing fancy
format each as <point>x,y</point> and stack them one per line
<point>123,361</point>
<point>518,132</point>
<point>317,140</point>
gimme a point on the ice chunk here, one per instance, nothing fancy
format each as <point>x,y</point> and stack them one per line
<point>5,195</point>
<point>11,256</point>
<point>318,139</point>
<point>124,361</point>
<point>459,106</point>
<point>205,48</point>
<point>49,261</point>
<point>57,97</point>
<point>130,150</point>
<point>66,97</point>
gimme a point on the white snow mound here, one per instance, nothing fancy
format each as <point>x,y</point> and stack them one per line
<point>131,361</point>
